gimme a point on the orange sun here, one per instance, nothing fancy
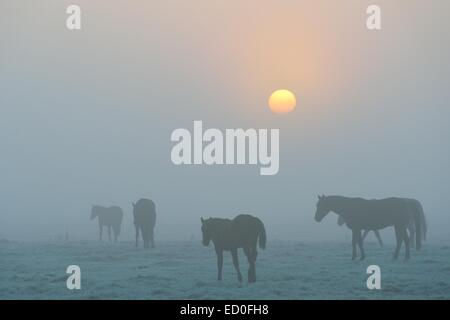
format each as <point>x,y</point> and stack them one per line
<point>282,101</point>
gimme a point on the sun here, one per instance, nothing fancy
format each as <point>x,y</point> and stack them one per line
<point>282,101</point>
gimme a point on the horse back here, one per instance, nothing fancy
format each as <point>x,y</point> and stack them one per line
<point>378,213</point>
<point>111,216</point>
<point>245,229</point>
<point>144,213</point>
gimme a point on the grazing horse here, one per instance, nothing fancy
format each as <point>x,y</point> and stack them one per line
<point>144,214</point>
<point>230,235</point>
<point>341,221</point>
<point>414,205</point>
<point>108,217</point>
<point>361,214</point>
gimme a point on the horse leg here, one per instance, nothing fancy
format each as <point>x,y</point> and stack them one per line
<point>412,234</point>
<point>366,232</point>
<point>398,237</point>
<point>251,269</point>
<point>234,255</point>
<point>101,231</point>
<point>253,265</point>
<point>354,244</point>
<point>145,237</point>
<point>360,243</point>
<point>219,254</point>
<point>109,233</point>
<point>407,243</point>
<point>378,237</point>
<point>137,236</point>
<point>152,239</point>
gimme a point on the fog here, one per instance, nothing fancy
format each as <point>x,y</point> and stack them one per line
<point>86,116</point>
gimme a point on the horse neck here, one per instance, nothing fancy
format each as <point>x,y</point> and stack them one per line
<point>339,205</point>
<point>218,228</point>
<point>101,214</point>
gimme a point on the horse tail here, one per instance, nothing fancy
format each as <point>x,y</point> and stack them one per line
<point>420,224</point>
<point>262,235</point>
<point>423,221</point>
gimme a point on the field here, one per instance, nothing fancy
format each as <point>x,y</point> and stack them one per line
<point>187,270</point>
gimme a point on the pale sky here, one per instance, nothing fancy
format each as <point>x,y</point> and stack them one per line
<point>86,116</point>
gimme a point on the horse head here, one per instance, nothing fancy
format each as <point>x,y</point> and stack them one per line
<point>206,232</point>
<point>322,208</point>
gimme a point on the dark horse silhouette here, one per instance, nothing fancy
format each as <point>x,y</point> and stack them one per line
<point>144,214</point>
<point>341,221</point>
<point>415,205</point>
<point>109,217</point>
<point>230,235</point>
<point>361,214</point>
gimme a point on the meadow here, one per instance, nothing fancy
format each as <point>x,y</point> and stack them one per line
<point>187,270</point>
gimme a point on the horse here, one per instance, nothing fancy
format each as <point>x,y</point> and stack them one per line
<point>361,214</point>
<point>144,214</point>
<point>341,221</point>
<point>108,217</point>
<point>244,231</point>
<point>415,205</point>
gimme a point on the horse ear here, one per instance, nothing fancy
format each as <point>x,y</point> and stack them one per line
<point>201,219</point>
<point>319,197</point>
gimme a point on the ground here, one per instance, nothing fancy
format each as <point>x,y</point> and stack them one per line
<point>187,270</point>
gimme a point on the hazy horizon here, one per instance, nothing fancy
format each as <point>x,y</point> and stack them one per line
<point>86,116</point>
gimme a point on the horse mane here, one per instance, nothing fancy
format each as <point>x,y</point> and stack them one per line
<point>98,208</point>
<point>216,223</point>
<point>334,197</point>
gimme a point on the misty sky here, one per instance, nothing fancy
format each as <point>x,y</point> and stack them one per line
<point>86,116</point>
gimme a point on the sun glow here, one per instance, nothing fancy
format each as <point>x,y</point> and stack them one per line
<point>282,101</point>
